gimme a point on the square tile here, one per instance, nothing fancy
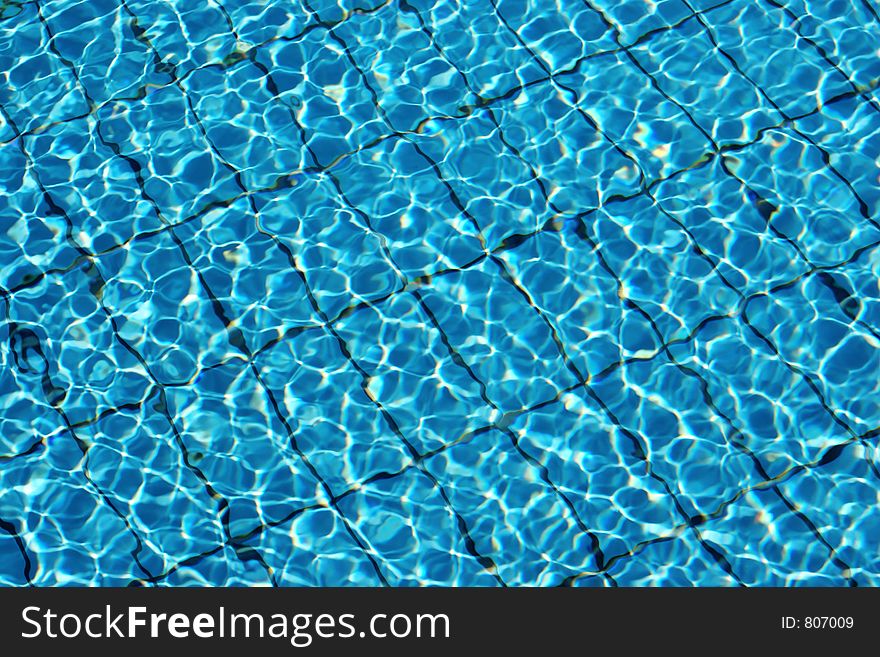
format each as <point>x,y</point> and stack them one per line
<point>724,103</point>
<point>101,43</point>
<point>72,537</point>
<point>161,309</point>
<point>656,135</point>
<point>562,35</point>
<point>249,273</point>
<point>38,89</point>
<point>844,29</point>
<point>658,267</point>
<point>495,330</point>
<point>185,33</point>
<point>269,20</point>
<point>862,276</point>
<point>840,498</point>
<point>159,134</point>
<point>816,210</point>
<point>514,518</point>
<point>70,354</point>
<point>848,132</point>
<point>478,46</point>
<point>633,19</point>
<point>315,549</point>
<point>316,84</point>
<point>812,325</point>
<point>768,544</point>
<point>335,423</point>
<point>413,533</point>
<point>414,374</point>
<point>32,238</point>
<point>231,434</point>
<point>341,257</point>
<point>28,418</point>
<point>251,129</point>
<point>783,421</point>
<point>730,225</point>
<point>97,191</point>
<point>133,457</point>
<point>764,44</point>
<point>671,562</point>
<point>593,464</point>
<point>223,567</point>
<point>486,177</point>
<point>409,79</point>
<point>337,11</point>
<point>406,202</point>
<point>565,279</point>
<point>686,442</point>
<point>578,166</point>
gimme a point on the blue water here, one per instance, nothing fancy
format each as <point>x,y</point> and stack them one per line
<point>440,293</point>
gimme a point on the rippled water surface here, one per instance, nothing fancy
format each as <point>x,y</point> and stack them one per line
<point>495,292</point>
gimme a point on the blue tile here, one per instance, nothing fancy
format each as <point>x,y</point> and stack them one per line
<point>653,132</point>
<point>335,423</point>
<point>38,89</point>
<point>840,498</point>
<point>783,421</point>
<point>659,267</point>
<point>815,332</point>
<point>566,280</point>
<point>688,444</point>
<point>724,103</point>
<point>135,459</point>
<point>505,342</point>
<point>160,309</point>
<point>250,273</point>
<point>768,544</point>
<point>727,223</point>
<point>765,46</point>
<point>89,370</point>
<point>251,462</point>
<point>420,221</point>
<point>149,133</point>
<point>413,534</point>
<point>479,47</point>
<point>514,518</point>
<point>315,549</point>
<point>341,257</point>
<point>818,211</point>
<point>578,166</point>
<point>413,372</point>
<point>593,464</point>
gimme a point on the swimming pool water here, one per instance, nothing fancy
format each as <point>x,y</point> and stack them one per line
<point>501,292</point>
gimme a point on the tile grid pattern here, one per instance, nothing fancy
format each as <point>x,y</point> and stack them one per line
<point>249,353</point>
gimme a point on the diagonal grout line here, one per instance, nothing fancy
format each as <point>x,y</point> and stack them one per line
<point>244,553</point>
<point>487,563</point>
<point>286,181</point>
<point>458,359</point>
<point>55,396</point>
<point>136,406</point>
<point>820,462</point>
<point>638,449</point>
<point>790,125</point>
<point>795,22</point>
<point>236,338</point>
<point>732,439</point>
<point>863,207</point>
<point>239,56</point>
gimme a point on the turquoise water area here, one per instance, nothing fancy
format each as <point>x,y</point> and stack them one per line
<point>497,292</point>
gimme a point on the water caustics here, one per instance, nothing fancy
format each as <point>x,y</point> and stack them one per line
<point>415,292</point>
